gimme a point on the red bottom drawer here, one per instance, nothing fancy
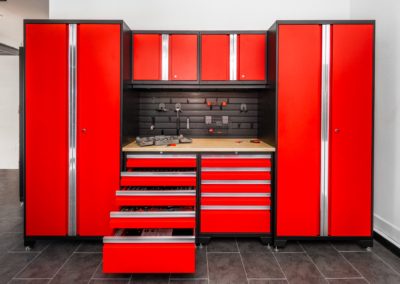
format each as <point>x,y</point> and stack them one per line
<point>149,258</point>
<point>234,221</point>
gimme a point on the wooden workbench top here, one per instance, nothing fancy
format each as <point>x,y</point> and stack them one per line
<point>205,145</point>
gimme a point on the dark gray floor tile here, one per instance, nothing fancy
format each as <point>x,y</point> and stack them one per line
<point>250,245</point>
<point>38,247</point>
<point>329,262</point>
<point>149,278</point>
<point>226,268</point>
<point>222,245</point>
<point>109,281</point>
<point>347,246</point>
<point>8,241</point>
<point>261,265</point>
<point>298,268</point>
<point>201,266</point>
<point>49,261</point>
<point>347,281</point>
<point>29,281</point>
<point>90,246</point>
<point>8,225</point>
<point>78,269</point>
<point>372,267</point>
<point>291,246</point>
<point>387,256</point>
<point>193,281</point>
<point>12,263</point>
<point>99,274</point>
<point>269,281</point>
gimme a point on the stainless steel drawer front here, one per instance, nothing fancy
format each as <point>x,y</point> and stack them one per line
<point>228,207</point>
<point>160,156</point>
<point>233,182</point>
<point>235,169</point>
<point>148,240</point>
<point>239,156</point>
<point>156,193</point>
<point>235,194</point>
<point>158,174</point>
<point>153,214</point>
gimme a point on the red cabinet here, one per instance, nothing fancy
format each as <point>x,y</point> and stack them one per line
<point>146,57</point>
<point>324,101</point>
<point>251,64</point>
<point>70,177</point>
<point>183,57</point>
<point>214,57</point>
<point>46,129</point>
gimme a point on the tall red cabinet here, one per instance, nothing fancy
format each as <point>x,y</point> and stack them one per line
<point>324,80</point>
<point>72,111</point>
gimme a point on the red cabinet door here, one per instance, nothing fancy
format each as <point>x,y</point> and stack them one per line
<point>251,57</point>
<point>214,57</point>
<point>146,57</point>
<point>98,135</point>
<point>350,153</point>
<point>298,130</point>
<point>46,129</point>
<point>182,57</point>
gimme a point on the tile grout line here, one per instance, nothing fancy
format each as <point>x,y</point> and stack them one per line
<point>350,264</point>
<point>280,267</point>
<point>95,271</point>
<point>68,258</point>
<point>387,264</point>
<point>39,253</point>
<point>312,261</point>
<point>208,270</point>
<point>241,259</point>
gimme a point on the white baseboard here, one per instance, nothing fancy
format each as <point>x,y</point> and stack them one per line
<point>387,230</point>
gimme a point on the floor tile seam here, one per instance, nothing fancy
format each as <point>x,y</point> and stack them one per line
<point>386,263</point>
<point>353,266</point>
<point>312,261</point>
<point>68,258</point>
<point>280,267</point>
<point>241,260</point>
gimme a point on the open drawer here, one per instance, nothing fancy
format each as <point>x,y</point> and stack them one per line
<point>133,196</point>
<point>235,219</point>
<point>236,173</point>
<point>179,178</point>
<point>159,218</point>
<point>235,198</point>
<point>235,186</point>
<point>238,160</point>
<point>161,161</point>
<point>133,253</point>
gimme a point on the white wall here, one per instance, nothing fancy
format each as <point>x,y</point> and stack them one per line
<point>12,14</point>
<point>387,118</point>
<point>200,14</point>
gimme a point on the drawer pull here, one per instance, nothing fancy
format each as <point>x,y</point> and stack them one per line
<point>236,182</point>
<point>221,207</point>
<point>266,156</point>
<point>156,193</point>
<point>145,240</point>
<point>161,156</point>
<point>235,194</point>
<point>158,174</point>
<point>154,214</point>
<point>233,169</point>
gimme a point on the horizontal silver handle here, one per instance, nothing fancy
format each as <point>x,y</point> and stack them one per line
<point>153,214</point>
<point>161,156</point>
<point>233,182</point>
<point>156,193</point>
<point>228,207</point>
<point>240,156</point>
<point>158,174</point>
<point>148,240</point>
<point>235,194</point>
<point>233,169</point>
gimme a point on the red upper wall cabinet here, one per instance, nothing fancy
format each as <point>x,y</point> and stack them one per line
<point>215,57</point>
<point>251,57</point>
<point>182,57</point>
<point>146,57</point>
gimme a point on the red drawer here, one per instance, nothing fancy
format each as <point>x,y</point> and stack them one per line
<point>224,173</point>
<point>161,161</point>
<point>158,179</point>
<point>233,198</point>
<point>156,197</point>
<point>262,160</point>
<point>235,219</point>
<point>149,255</point>
<point>235,186</point>
<point>152,219</point>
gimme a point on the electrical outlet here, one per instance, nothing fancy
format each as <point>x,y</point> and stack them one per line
<point>208,119</point>
<point>225,119</point>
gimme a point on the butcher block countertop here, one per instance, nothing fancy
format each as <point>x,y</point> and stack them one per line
<point>206,145</point>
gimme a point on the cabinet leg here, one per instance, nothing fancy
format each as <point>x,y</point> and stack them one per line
<point>366,243</point>
<point>280,243</point>
<point>265,240</point>
<point>203,240</point>
<point>28,244</point>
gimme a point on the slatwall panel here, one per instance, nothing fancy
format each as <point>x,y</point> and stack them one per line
<point>194,106</point>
